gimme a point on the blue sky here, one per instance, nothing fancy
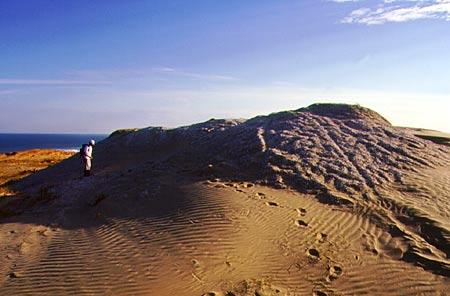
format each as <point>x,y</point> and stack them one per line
<point>96,66</point>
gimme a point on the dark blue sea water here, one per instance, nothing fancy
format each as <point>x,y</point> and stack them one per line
<point>19,142</point>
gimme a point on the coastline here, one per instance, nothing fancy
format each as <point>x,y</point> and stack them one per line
<point>19,142</point>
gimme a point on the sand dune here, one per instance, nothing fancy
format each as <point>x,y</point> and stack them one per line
<point>324,200</point>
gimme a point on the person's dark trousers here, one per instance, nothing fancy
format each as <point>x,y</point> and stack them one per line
<point>87,173</point>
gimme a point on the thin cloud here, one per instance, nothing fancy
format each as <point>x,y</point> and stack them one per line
<point>7,92</point>
<point>342,1</point>
<point>105,74</point>
<point>399,11</point>
<point>48,82</point>
<point>155,72</point>
<point>198,76</point>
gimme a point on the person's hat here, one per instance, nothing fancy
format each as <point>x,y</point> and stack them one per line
<point>92,142</point>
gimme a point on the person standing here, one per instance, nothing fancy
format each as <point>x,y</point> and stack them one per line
<point>86,156</point>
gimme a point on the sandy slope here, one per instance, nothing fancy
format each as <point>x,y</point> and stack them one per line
<point>432,135</point>
<point>328,200</point>
<point>16,165</point>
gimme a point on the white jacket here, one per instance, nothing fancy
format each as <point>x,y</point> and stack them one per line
<point>88,151</point>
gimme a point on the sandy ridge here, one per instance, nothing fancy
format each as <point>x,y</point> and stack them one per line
<point>319,200</point>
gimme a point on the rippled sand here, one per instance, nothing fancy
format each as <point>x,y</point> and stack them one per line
<point>295,203</point>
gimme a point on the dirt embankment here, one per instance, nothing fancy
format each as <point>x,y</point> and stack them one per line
<point>17,165</point>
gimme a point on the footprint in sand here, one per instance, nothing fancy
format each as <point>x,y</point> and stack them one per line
<point>301,223</point>
<point>301,211</point>
<point>13,275</point>
<point>261,195</point>
<point>337,270</point>
<point>334,272</point>
<point>210,294</point>
<point>44,232</point>
<point>313,254</point>
<point>25,248</point>
<point>195,262</point>
<point>321,237</point>
<point>272,204</point>
<point>319,293</point>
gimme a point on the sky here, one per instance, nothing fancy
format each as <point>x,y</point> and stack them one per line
<point>96,66</point>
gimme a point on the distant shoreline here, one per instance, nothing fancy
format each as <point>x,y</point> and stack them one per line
<point>74,150</point>
<point>38,150</point>
<point>11,142</point>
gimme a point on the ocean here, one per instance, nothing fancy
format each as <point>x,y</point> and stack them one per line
<point>20,142</point>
